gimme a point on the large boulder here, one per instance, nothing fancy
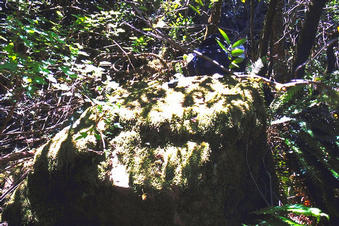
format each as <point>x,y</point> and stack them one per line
<point>154,155</point>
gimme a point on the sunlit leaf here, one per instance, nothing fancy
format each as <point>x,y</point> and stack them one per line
<point>160,24</point>
<point>221,45</point>
<point>73,75</point>
<point>97,136</point>
<point>83,53</point>
<point>9,47</point>
<point>39,80</point>
<point>237,52</point>
<point>288,221</point>
<point>335,174</point>
<point>82,135</point>
<point>3,38</point>
<point>105,64</point>
<point>199,2</point>
<point>65,69</point>
<point>235,62</point>
<point>195,9</point>
<point>233,65</point>
<point>223,33</point>
<point>59,13</point>
<point>117,125</point>
<point>13,57</point>
<point>59,86</point>
<point>238,43</point>
<point>280,211</point>
<point>51,78</point>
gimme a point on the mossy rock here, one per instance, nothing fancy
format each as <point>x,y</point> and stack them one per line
<point>188,155</point>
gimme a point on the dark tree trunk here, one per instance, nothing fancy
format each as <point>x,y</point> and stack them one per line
<point>331,59</point>
<point>277,49</point>
<point>251,41</point>
<point>307,36</point>
<point>214,19</point>
<point>263,46</point>
<point>271,43</point>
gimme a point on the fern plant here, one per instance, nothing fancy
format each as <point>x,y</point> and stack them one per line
<point>309,118</point>
<point>281,215</point>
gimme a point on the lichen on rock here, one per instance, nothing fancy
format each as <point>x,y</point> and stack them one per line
<point>188,155</point>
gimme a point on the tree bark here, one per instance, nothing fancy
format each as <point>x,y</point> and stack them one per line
<point>271,43</point>
<point>277,49</point>
<point>263,46</point>
<point>307,37</point>
<point>331,59</point>
<point>214,19</point>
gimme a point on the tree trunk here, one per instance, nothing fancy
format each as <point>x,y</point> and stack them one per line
<point>263,46</point>
<point>331,59</point>
<point>214,19</point>
<point>277,49</point>
<point>307,36</point>
<point>271,43</point>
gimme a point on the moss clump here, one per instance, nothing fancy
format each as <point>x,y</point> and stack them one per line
<point>190,155</point>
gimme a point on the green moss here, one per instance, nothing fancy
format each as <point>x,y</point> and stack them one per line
<point>188,149</point>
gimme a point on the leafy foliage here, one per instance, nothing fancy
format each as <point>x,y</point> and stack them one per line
<point>308,125</point>
<point>34,55</point>
<point>57,57</point>
<point>278,215</point>
<point>235,51</point>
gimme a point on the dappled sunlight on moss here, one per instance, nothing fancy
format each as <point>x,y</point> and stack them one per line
<point>184,145</point>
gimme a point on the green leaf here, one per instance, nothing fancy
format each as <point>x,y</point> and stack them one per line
<point>224,35</point>
<point>221,45</point>
<point>97,136</point>
<point>81,19</point>
<point>308,211</point>
<point>82,135</point>
<point>9,66</point>
<point>73,75</point>
<point>233,65</point>
<point>9,47</point>
<point>83,53</point>
<point>59,14</point>
<point>117,125</point>
<point>39,80</point>
<point>279,211</point>
<point>30,90</point>
<point>288,221</point>
<point>195,9</point>
<point>335,174</point>
<point>238,43</point>
<point>3,38</point>
<point>200,2</point>
<point>235,62</point>
<point>237,52</point>
<point>238,60</point>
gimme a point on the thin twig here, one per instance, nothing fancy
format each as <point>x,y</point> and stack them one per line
<point>13,187</point>
<point>14,156</point>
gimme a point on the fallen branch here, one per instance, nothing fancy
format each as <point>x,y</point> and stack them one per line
<point>274,84</point>
<point>14,156</point>
<point>14,186</point>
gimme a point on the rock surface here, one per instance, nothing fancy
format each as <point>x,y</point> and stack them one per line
<point>188,155</point>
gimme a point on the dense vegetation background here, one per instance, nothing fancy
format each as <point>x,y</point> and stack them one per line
<point>59,57</point>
